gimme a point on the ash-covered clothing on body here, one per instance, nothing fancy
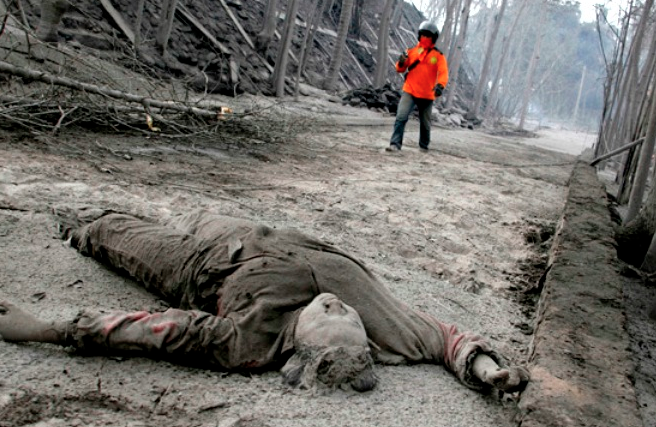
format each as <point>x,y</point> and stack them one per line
<point>239,288</point>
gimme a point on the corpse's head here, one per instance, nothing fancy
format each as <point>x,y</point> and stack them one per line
<point>330,346</point>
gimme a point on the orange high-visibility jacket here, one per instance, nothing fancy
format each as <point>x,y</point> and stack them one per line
<point>430,71</point>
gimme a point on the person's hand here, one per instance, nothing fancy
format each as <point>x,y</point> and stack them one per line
<point>439,89</point>
<point>402,58</point>
<point>18,325</point>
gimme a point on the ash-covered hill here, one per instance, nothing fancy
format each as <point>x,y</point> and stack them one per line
<point>212,44</point>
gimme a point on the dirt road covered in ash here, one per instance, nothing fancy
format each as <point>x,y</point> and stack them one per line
<point>460,232</point>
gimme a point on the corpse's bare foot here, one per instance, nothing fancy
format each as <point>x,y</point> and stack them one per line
<point>507,379</point>
<point>18,325</point>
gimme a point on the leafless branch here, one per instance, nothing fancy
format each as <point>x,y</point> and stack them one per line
<point>61,119</point>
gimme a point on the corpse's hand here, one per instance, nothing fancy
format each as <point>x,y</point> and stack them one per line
<point>18,325</point>
<point>507,379</point>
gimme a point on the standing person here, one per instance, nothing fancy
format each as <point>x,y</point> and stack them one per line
<point>251,298</point>
<point>426,77</point>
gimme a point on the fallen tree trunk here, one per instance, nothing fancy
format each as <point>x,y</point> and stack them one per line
<point>118,20</point>
<point>616,152</point>
<point>241,30</point>
<point>196,23</point>
<point>112,93</point>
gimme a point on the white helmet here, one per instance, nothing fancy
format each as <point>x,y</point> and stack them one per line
<point>429,28</point>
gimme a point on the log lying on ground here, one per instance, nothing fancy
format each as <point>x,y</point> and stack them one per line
<point>26,73</point>
<point>101,107</point>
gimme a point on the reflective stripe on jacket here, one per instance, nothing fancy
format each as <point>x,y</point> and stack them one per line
<point>430,71</point>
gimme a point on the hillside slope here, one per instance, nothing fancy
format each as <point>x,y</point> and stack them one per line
<point>192,51</point>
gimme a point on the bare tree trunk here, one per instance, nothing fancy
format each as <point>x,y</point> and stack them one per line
<point>613,88</point>
<point>338,52</point>
<point>264,37</point>
<point>635,237</point>
<point>447,29</point>
<point>316,10</point>
<point>578,96</point>
<point>612,85</point>
<point>451,46</point>
<point>397,14</point>
<point>383,45</point>
<point>628,173</point>
<point>137,24</point>
<point>166,24</point>
<point>454,68</point>
<point>310,41</point>
<point>633,61</point>
<point>638,189</point>
<point>51,15</point>
<point>329,9</point>
<point>634,88</point>
<point>487,63</point>
<point>355,30</point>
<point>511,95</point>
<point>528,88</point>
<point>626,90</point>
<point>280,70</point>
<point>487,14</point>
<point>492,99</point>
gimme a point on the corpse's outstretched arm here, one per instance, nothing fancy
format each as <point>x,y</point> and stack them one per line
<point>477,365</point>
<point>199,336</point>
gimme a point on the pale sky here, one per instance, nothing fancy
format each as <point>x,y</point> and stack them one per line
<point>587,8</point>
<point>588,13</point>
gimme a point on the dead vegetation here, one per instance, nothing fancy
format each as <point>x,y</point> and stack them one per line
<point>47,88</point>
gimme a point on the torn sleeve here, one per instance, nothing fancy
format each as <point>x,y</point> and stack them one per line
<point>460,350</point>
<point>194,336</point>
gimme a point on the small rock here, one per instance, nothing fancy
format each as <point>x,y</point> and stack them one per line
<point>213,405</point>
<point>38,296</point>
<point>456,119</point>
<point>5,400</point>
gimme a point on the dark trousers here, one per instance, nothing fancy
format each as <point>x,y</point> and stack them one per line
<point>406,105</point>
